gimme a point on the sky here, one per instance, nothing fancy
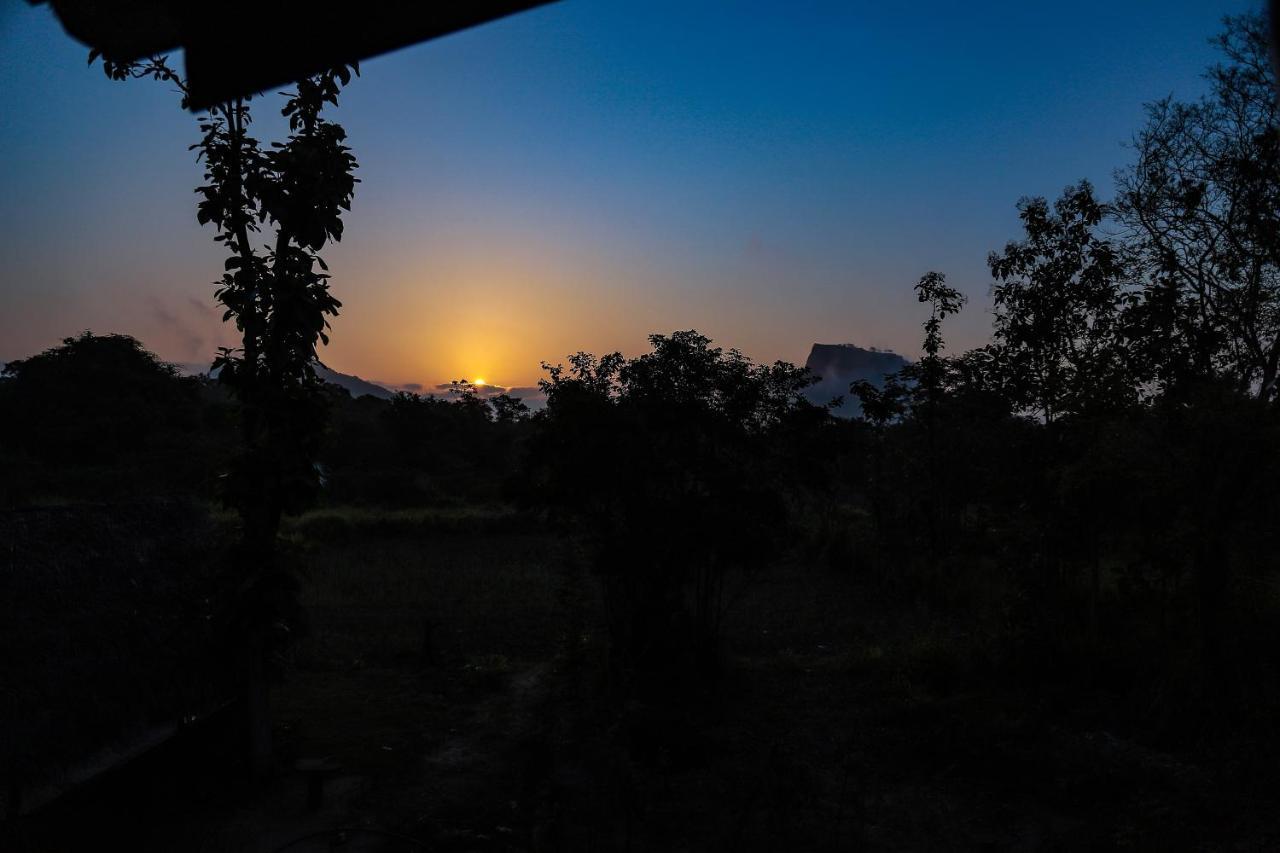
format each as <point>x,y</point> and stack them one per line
<point>581,175</point>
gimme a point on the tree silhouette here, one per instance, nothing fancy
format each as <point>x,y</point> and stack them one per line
<point>669,465</point>
<point>92,399</point>
<point>916,390</point>
<point>1056,335</point>
<point>943,301</point>
<point>100,418</point>
<point>1202,206</point>
<point>278,295</point>
<point>1202,202</point>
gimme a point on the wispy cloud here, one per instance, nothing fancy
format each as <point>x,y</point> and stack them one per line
<point>187,339</point>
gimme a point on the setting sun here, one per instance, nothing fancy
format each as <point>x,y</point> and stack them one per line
<point>478,382</point>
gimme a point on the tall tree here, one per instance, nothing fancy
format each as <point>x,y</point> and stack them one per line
<point>1058,294</point>
<point>943,301</point>
<point>1202,202</point>
<point>1202,205</point>
<point>277,293</point>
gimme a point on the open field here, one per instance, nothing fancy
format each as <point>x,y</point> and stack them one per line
<point>455,674</point>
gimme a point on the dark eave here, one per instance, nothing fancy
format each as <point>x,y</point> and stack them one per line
<point>238,47</point>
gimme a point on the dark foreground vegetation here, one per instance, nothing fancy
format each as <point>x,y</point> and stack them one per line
<point>1028,599</point>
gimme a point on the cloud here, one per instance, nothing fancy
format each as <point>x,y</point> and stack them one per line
<point>203,308</point>
<point>187,339</point>
<point>485,390</point>
<point>525,392</point>
<point>530,396</point>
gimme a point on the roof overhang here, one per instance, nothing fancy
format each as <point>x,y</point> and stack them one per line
<point>236,48</point>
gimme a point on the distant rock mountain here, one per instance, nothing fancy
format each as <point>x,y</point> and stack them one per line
<point>838,365</point>
<point>354,385</point>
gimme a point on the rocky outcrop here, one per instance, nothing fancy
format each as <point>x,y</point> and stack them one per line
<point>838,365</point>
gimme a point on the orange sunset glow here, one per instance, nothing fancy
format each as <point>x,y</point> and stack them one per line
<point>579,194</point>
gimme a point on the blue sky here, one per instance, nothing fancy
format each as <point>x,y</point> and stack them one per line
<point>577,176</point>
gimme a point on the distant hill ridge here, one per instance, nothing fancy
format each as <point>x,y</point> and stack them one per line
<point>837,365</point>
<point>354,385</point>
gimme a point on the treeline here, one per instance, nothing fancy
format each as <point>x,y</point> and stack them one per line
<point>101,419</point>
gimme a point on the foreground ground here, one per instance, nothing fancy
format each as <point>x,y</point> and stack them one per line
<point>454,678</point>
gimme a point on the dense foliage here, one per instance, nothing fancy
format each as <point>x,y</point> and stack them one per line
<point>101,416</point>
<point>674,465</point>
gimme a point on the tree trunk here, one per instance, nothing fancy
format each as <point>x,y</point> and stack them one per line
<point>258,707</point>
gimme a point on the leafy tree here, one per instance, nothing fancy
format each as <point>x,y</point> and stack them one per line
<point>916,390</point>
<point>881,405</point>
<point>500,407</point>
<point>508,409</point>
<point>667,463</point>
<point>943,301</point>
<point>94,398</point>
<point>100,418</point>
<point>1202,204</point>
<point>884,403</point>
<point>278,295</point>
<point>1056,336</point>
